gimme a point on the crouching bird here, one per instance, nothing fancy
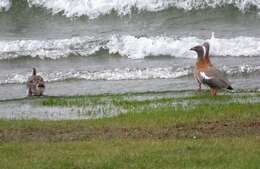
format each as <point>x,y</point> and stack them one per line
<point>206,73</point>
<point>35,84</point>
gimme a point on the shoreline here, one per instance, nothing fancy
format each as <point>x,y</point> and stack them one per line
<point>111,105</point>
<point>155,130</point>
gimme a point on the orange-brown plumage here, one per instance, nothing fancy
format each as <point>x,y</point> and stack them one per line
<point>203,64</point>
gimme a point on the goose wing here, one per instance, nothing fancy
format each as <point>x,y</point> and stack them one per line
<point>29,82</point>
<point>213,78</point>
<point>39,81</point>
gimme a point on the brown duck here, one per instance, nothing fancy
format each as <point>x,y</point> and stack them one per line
<point>206,73</point>
<point>35,85</point>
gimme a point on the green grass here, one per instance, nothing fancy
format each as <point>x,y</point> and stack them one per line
<point>65,144</point>
<point>155,104</point>
<point>171,115</point>
<point>132,154</point>
<point>120,100</point>
<point>158,117</point>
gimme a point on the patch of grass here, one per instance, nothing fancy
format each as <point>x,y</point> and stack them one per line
<point>131,154</point>
<point>156,133</point>
<point>205,95</point>
<point>164,116</point>
<point>161,116</point>
<point>133,105</point>
<point>116,98</point>
<point>121,99</point>
<point>73,101</point>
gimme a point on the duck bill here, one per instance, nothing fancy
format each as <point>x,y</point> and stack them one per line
<point>192,49</point>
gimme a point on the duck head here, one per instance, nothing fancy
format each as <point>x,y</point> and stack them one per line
<point>34,72</point>
<point>202,50</point>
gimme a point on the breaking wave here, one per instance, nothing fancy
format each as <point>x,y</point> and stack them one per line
<point>127,74</point>
<point>115,74</point>
<point>128,46</point>
<point>51,49</point>
<point>94,8</point>
<point>136,48</point>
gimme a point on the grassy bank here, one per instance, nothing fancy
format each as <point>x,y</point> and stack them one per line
<point>226,153</point>
<point>154,131</point>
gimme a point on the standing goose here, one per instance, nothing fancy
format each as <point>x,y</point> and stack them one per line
<point>35,84</point>
<point>205,72</point>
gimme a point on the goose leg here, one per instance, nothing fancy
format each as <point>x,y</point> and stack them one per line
<point>213,91</point>
<point>30,92</point>
<point>199,89</point>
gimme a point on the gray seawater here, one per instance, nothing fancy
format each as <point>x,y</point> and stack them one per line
<point>91,50</point>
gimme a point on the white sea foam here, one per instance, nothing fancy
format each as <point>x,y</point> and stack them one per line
<point>95,8</point>
<point>242,69</point>
<point>5,5</point>
<point>239,46</point>
<point>137,48</point>
<point>53,49</point>
<point>129,46</point>
<point>115,74</point>
<point>126,74</point>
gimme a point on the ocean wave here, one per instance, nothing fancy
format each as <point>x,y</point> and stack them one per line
<point>244,69</point>
<point>50,49</point>
<point>127,74</point>
<point>94,8</point>
<point>239,46</point>
<point>128,46</point>
<point>114,74</point>
<point>136,48</point>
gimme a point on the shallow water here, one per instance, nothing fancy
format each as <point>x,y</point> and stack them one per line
<point>109,105</point>
<point>33,109</point>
